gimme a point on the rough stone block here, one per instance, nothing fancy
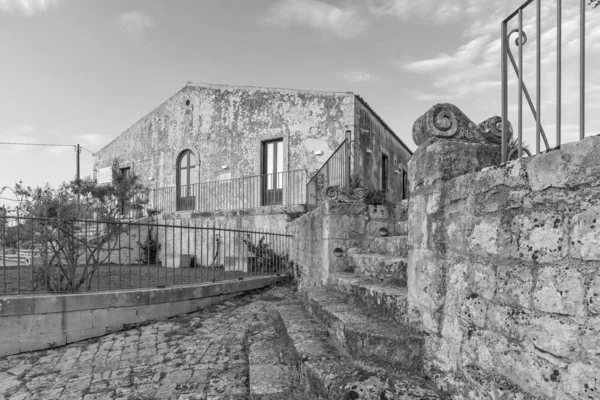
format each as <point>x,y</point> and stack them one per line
<point>558,337</point>
<point>569,167</point>
<point>380,212</point>
<point>593,296</point>
<point>509,321</point>
<point>373,227</point>
<point>585,235</point>
<point>434,201</point>
<point>515,283</point>
<point>401,228</point>
<point>442,160</point>
<point>456,294</point>
<point>482,279</point>
<point>519,365</point>
<point>345,209</point>
<point>559,290</point>
<point>590,340</point>
<point>540,237</point>
<point>484,236</point>
<point>581,381</point>
<point>474,310</point>
<point>341,226</point>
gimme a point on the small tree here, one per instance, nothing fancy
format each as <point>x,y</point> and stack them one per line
<point>72,253</point>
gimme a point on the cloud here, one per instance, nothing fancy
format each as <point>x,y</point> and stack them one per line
<point>135,23</point>
<point>27,7</point>
<point>343,22</point>
<point>436,11</point>
<point>465,54</point>
<point>359,76</point>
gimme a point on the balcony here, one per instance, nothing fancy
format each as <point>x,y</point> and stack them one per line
<point>283,188</point>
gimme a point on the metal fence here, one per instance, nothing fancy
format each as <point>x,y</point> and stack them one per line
<point>282,188</point>
<point>52,255</point>
<point>521,38</point>
<point>334,172</point>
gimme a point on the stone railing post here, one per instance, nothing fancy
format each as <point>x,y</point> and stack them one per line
<point>450,145</point>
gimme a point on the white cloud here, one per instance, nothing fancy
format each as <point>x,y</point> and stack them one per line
<point>359,76</point>
<point>27,7</point>
<point>436,11</point>
<point>135,23</point>
<point>343,22</point>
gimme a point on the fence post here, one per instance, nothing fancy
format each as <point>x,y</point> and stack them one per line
<point>347,161</point>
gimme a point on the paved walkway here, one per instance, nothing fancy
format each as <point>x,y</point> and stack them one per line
<point>196,356</point>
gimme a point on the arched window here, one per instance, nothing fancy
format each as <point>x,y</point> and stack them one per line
<point>187,178</point>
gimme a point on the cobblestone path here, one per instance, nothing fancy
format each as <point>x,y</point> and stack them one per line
<point>196,356</point>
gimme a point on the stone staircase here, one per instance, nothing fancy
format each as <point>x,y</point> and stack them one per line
<point>349,339</point>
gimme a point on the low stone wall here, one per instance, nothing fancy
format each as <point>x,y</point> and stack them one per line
<point>35,322</point>
<point>339,225</point>
<point>504,269</point>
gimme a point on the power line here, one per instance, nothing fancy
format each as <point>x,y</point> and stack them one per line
<point>40,144</point>
<point>6,198</point>
<point>49,144</point>
<point>83,148</point>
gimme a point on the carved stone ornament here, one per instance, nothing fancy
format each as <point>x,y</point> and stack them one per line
<point>359,193</point>
<point>448,122</point>
<point>332,193</point>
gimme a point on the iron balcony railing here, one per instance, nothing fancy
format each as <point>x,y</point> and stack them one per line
<point>282,188</point>
<point>61,256</point>
<point>334,172</point>
<point>521,38</point>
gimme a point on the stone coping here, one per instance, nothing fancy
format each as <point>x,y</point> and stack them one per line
<point>29,304</point>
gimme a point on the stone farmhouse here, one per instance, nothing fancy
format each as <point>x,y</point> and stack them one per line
<point>219,147</point>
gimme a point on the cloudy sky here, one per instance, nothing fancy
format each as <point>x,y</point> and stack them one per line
<point>83,71</point>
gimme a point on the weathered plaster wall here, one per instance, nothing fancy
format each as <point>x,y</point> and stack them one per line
<point>504,269</point>
<point>374,135</point>
<point>36,322</point>
<point>177,235</point>
<point>348,226</point>
<point>225,125</point>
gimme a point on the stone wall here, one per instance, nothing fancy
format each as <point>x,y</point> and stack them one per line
<point>504,269</point>
<point>35,322</point>
<point>374,135</point>
<point>225,127</point>
<point>347,226</point>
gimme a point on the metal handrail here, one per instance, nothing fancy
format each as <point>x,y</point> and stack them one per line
<point>280,188</point>
<point>540,134</point>
<point>335,171</point>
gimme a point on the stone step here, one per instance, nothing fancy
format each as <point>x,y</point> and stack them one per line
<point>272,372</point>
<point>366,337</point>
<point>382,266</point>
<point>387,299</point>
<point>328,373</point>
<point>392,245</point>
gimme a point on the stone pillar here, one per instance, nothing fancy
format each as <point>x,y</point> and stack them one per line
<point>450,145</point>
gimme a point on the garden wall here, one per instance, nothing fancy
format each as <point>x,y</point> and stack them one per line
<point>504,269</point>
<point>35,322</point>
<point>338,225</point>
<point>269,219</point>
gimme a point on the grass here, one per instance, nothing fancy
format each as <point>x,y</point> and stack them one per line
<point>114,277</point>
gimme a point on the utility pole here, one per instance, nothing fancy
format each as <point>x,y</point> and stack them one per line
<point>77,151</point>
